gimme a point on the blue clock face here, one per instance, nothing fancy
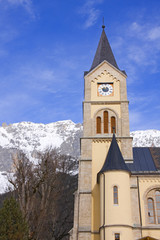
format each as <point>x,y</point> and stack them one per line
<point>105,89</point>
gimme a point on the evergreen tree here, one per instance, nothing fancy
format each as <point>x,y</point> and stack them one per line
<point>12,223</point>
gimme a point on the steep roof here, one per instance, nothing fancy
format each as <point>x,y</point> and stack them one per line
<point>114,159</point>
<point>104,52</point>
<point>145,160</point>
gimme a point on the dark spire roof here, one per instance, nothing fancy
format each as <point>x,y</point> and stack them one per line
<point>114,159</point>
<point>104,52</point>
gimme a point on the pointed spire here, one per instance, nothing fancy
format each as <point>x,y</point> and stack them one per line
<point>104,52</point>
<point>114,159</point>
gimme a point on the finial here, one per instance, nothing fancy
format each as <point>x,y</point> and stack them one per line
<point>103,26</point>
<point>113,130</point>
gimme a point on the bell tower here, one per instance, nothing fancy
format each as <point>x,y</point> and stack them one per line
<point>105,111</point>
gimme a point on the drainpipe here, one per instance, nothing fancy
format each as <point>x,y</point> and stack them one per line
<point>140,215</point>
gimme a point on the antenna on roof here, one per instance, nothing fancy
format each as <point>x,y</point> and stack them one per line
<point>103,26</point>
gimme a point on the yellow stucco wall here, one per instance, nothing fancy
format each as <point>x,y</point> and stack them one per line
<point>114,212</point>
<point>117,218</point>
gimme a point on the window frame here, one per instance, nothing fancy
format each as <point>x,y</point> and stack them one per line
<point>105,122</point>
<point>113,124</point>
<point>115,237</point>
<point>98,125</point>
<point>115,195</point>
<point>157,207</point>
<point>151,209</point>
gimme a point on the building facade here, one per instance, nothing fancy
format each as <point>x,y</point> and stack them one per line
<point>118,196</point>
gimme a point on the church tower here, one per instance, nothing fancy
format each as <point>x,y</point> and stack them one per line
<point>105,120</point>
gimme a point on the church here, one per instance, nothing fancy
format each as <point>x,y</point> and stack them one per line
<point>118,196</point>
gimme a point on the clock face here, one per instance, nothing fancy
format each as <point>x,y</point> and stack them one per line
<point>105,89</point>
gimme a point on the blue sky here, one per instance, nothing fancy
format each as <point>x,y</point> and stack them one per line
<point>45,47</point>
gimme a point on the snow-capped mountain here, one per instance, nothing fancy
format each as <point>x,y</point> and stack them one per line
<point>147,138</point>
<point>64,135</point>
<point>36,137</point>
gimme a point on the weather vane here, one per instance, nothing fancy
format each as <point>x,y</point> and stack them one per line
<point>103,26</point>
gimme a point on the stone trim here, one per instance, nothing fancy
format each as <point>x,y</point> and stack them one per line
<point>103,141</point>
<point>85,192</point>
<point>133,227</point>
<point>151,227</point>
<point>133,187</point>
<point>105,102</point>
<point>95,232</point>
<point>116,225</point>
<point>84,229</point>
<point>129,160</point>
<point>114,68</point>
<point>109,138</point>
<point>85,159</point>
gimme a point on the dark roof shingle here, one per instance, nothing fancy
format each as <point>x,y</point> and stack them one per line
<point>142,160</point>
<point>104,52</point>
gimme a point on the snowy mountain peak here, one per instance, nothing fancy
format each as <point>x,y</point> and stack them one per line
<point>146,138</point>
<point>28,136</point>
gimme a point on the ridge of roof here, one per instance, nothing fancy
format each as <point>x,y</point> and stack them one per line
<point>103,52</point>
<point>114,159</point>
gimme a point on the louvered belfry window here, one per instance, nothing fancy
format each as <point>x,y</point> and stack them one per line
<point>113,124</point>
<point>105,119</point>
<point>98,123</point>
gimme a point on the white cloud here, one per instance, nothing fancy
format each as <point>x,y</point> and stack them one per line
<point>90,12</point>
<point>154,33</point>
<point>145,32</point>
<point>92,17</point>
<point>26,4</point>
<point>141,45</point>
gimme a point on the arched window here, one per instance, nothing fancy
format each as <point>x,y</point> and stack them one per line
<point>115,195</point>
<point>98,124</point>
<point>105,119</point>
<point>113,124</point>
<point>157,194</point>
<point>151,214</point>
